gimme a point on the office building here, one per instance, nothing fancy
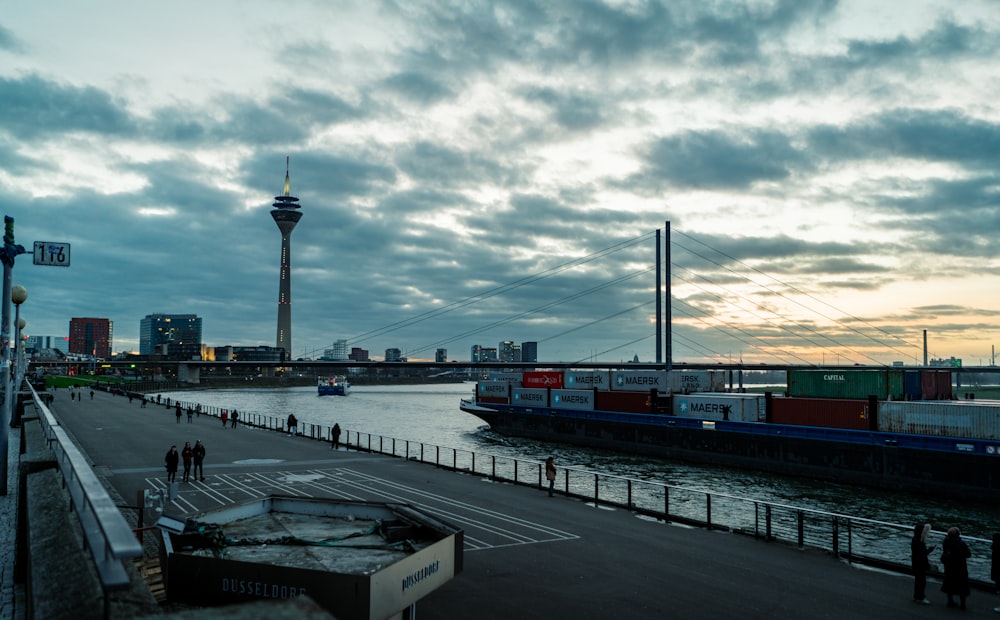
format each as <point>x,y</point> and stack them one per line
<point>441,355</point>
<point>91,337</point>
<point>394,355</point>
<point>483,354</point>
<point>177,336</point>
<point>507,351</point>
<point>358,354</point>
<point>529,351</point>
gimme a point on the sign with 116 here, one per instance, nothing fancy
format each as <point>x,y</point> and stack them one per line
<point>52,253</point>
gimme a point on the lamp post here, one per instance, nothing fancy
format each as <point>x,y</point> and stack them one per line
<point>18,295</point>
<point>7,253</point>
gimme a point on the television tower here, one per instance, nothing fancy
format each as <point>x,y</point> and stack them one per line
<point>286,215</point>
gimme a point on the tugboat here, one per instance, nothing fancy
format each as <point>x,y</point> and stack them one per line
<point>333,386</point>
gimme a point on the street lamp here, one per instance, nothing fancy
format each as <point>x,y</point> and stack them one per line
<point>18,295</point>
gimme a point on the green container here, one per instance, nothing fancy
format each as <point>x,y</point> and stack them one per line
<point>856,384</point>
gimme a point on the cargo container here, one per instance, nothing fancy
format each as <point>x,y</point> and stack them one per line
<point>542,379</point>
<point>826,412</point>
<point>943,418</point>
<point>572,399</point>
<point>493,400</point>
<point>691,381</point>
<point>529,397</point>
<point>625,402</point>
<point>585,379</point>
<point>935,384</point>
<point>513,378</point>
<point>714,406</point>
<point>853,384</point>
<point>639,380</point>
<point>493,389</point>
<point>912,388</point>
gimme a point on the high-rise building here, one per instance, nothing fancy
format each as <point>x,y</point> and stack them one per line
<point>529,351</point>
<point>394,355</point>
<point>89,336</point>
<point>174,335</point>
<point>286,215</point>
<point>507,351</point>
<point>441,355</point>
<point>484,354</point>
<point>337,353</point>
<point>358,354</point>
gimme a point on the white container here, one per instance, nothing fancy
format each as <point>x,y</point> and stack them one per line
<point>506,377</point>
<point>691,381</point>
<point>529,397</point>
<point>493,389</point>
<point>710,406</point>
<point>964,419</point>
<point>582,400</point>
<point>639,380</point>
<point>586,379</point>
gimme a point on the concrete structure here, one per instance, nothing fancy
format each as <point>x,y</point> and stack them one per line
<point>175,335</point>
<point>286,215</point>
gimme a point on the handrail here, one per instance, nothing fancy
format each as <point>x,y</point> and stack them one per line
<point>107,535</point>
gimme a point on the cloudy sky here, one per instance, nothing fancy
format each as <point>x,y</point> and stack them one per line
<point>473,172</point>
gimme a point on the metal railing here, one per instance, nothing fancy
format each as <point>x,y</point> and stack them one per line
<point>853,539</point>
<point>107,535</point>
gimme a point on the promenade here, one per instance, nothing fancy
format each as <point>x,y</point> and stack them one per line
<point>526,555</point>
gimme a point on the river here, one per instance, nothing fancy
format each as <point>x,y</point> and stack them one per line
<point>430,414</point>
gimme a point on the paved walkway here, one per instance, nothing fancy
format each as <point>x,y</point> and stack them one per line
<point>526,555</point>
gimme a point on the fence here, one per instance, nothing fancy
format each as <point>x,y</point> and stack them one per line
<point>853,539</point>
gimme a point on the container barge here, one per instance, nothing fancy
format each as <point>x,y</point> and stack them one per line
<point>885,428</point>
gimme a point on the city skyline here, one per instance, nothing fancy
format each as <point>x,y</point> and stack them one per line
<point>474,172</point>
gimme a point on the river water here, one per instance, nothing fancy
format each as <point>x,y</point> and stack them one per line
<point>430,414</point>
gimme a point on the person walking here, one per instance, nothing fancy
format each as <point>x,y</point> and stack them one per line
<point>225,417</point>
<point>190,414</point>
<point>954,553</point>
<point>550,473</point>
<point>177,411</point>
<point>293,424</point>
<point>172,459</point>
<point>919,562</point>
<point>187,454</point>
<point>143,405</point>
<point>91,393</point>
<point>235,418</point>
<point>199,460</point>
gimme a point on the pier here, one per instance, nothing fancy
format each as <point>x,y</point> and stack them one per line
<point>526,554</point>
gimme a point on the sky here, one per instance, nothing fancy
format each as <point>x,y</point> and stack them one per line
<point>474,172</point>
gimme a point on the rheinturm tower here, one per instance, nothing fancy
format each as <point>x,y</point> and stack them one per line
<point>286,215</point>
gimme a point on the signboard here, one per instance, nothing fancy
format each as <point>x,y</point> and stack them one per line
<point>52,253</point>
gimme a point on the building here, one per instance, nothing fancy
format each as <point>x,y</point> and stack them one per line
<point>529,351</point>
<point>37,343</point>
<point>441,355</point>
<point>483,354</point>
<point>260,353</point>
<point>394,355</point>
<point>358,354</point>
<point>337,353</point>
<point>507,351</point>
<point>89,336</point>
<point>286,215</point>
<point>177,336</point>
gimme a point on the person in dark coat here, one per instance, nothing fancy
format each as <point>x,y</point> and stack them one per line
<point>187,454</point>
<point>335,437</point>
<point>172,459</point>
<point>918,560</point>
<point>199,459</point>
<point>954,553</point>
<point>550,473</point>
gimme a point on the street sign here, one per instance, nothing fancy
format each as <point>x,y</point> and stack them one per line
<point>52,253</point>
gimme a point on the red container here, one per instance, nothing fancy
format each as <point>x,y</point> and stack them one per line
<point>825,412</point>
<point>496,400</point>
<point>543,379</point>
<point>935,384</point>
<point>623,402</point>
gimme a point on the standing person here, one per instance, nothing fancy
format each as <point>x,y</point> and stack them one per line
<point>918,560</point>
<point>550,473</point>
<point>143,405</point>
<point>172,459</point>
<point>190,413</point>
<point>187,454</point>
<point>91,393</point>
<point>293,424</point>
<point>177,411</point>
<point>335,437</point>
<point>199,460</point>
<point>236,417</point>
<point>225,417</point>
<point>954,553</point>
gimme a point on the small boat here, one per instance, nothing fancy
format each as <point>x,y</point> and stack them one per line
<point>333,386</point>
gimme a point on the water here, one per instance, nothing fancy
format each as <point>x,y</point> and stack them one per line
<point>430,414</point>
